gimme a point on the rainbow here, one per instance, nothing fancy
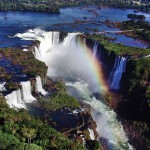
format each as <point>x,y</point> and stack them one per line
<point>93,62</point>
<point>95,65</point>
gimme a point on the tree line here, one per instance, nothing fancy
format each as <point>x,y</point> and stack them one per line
<point>24,5</point>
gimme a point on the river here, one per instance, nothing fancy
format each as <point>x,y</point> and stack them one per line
<point>16,22</point>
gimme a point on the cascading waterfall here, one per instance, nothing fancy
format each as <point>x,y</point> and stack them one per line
<point>116,73</point>
<point>37,53</point>
<point>83,139</point>
<point>14,99</point>
<point>74,62</point>
<point>95,49</point>
<point>26,91</point>
<point>70,37</point>
<point>39,87</point>
<point>2,87</point>
<point>92,136</point>
<point>47,40</point>
<point>107,124</point>
<point>19,98</point>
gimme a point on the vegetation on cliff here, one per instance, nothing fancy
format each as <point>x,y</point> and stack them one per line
<point>134,103</point>
<point>136,81</point>
<point>19,130</point>
<point>25,5</point>
<point>58,98</point>
<point>48,6</point>
<point>118,48</point>
<point>22,61</point>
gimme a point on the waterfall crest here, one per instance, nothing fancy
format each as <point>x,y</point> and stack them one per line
<point>26,91</point>
<point>69,38</point>
<point>116,73</point>
<point>47,40</point>
<point>39,87</point>
<point>91,134</point>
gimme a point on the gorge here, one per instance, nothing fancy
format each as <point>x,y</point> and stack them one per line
<point>73,81</point>
<point>81,78</point>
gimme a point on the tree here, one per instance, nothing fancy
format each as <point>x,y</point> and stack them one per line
<point>11,128</point>
<point>28,133</point>
<point>6,140</point>
<point>25,146</point>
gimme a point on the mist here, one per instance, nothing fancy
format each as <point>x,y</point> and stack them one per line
<point>68,60</point>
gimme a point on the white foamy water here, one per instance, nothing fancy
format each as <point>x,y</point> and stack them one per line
<point>92,136</point>
<point>26,91</point>
<point>47,40</point>
<point>108,126</point>
<point>95,49</point>
<point>39,86</point>
<point>19,98</point>
<point>117,71</point>
<point>2,87</point>
<point>37,53</point>
<point>14,100</point>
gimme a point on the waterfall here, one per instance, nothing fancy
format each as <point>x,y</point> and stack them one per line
<point>37,53</point>
<point>108,126</point>
<point>39,87</point>
<point>2,87</point>
<point>47,40</point>
<point>116,73</point>
<point>95,49</point>
<point>70,37</point>
<point>26,91</point>
<point>83,139</point>
<point>70,60</point>
<point>146,56</point>
<point>91,134</point>
<point>19,98</point>
<point>14,99</point>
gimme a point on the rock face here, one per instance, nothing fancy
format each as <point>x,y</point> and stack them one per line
<point>112,64</point>
<point>133,75</point>
<point>82,128</point>
<point>136,87</point>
